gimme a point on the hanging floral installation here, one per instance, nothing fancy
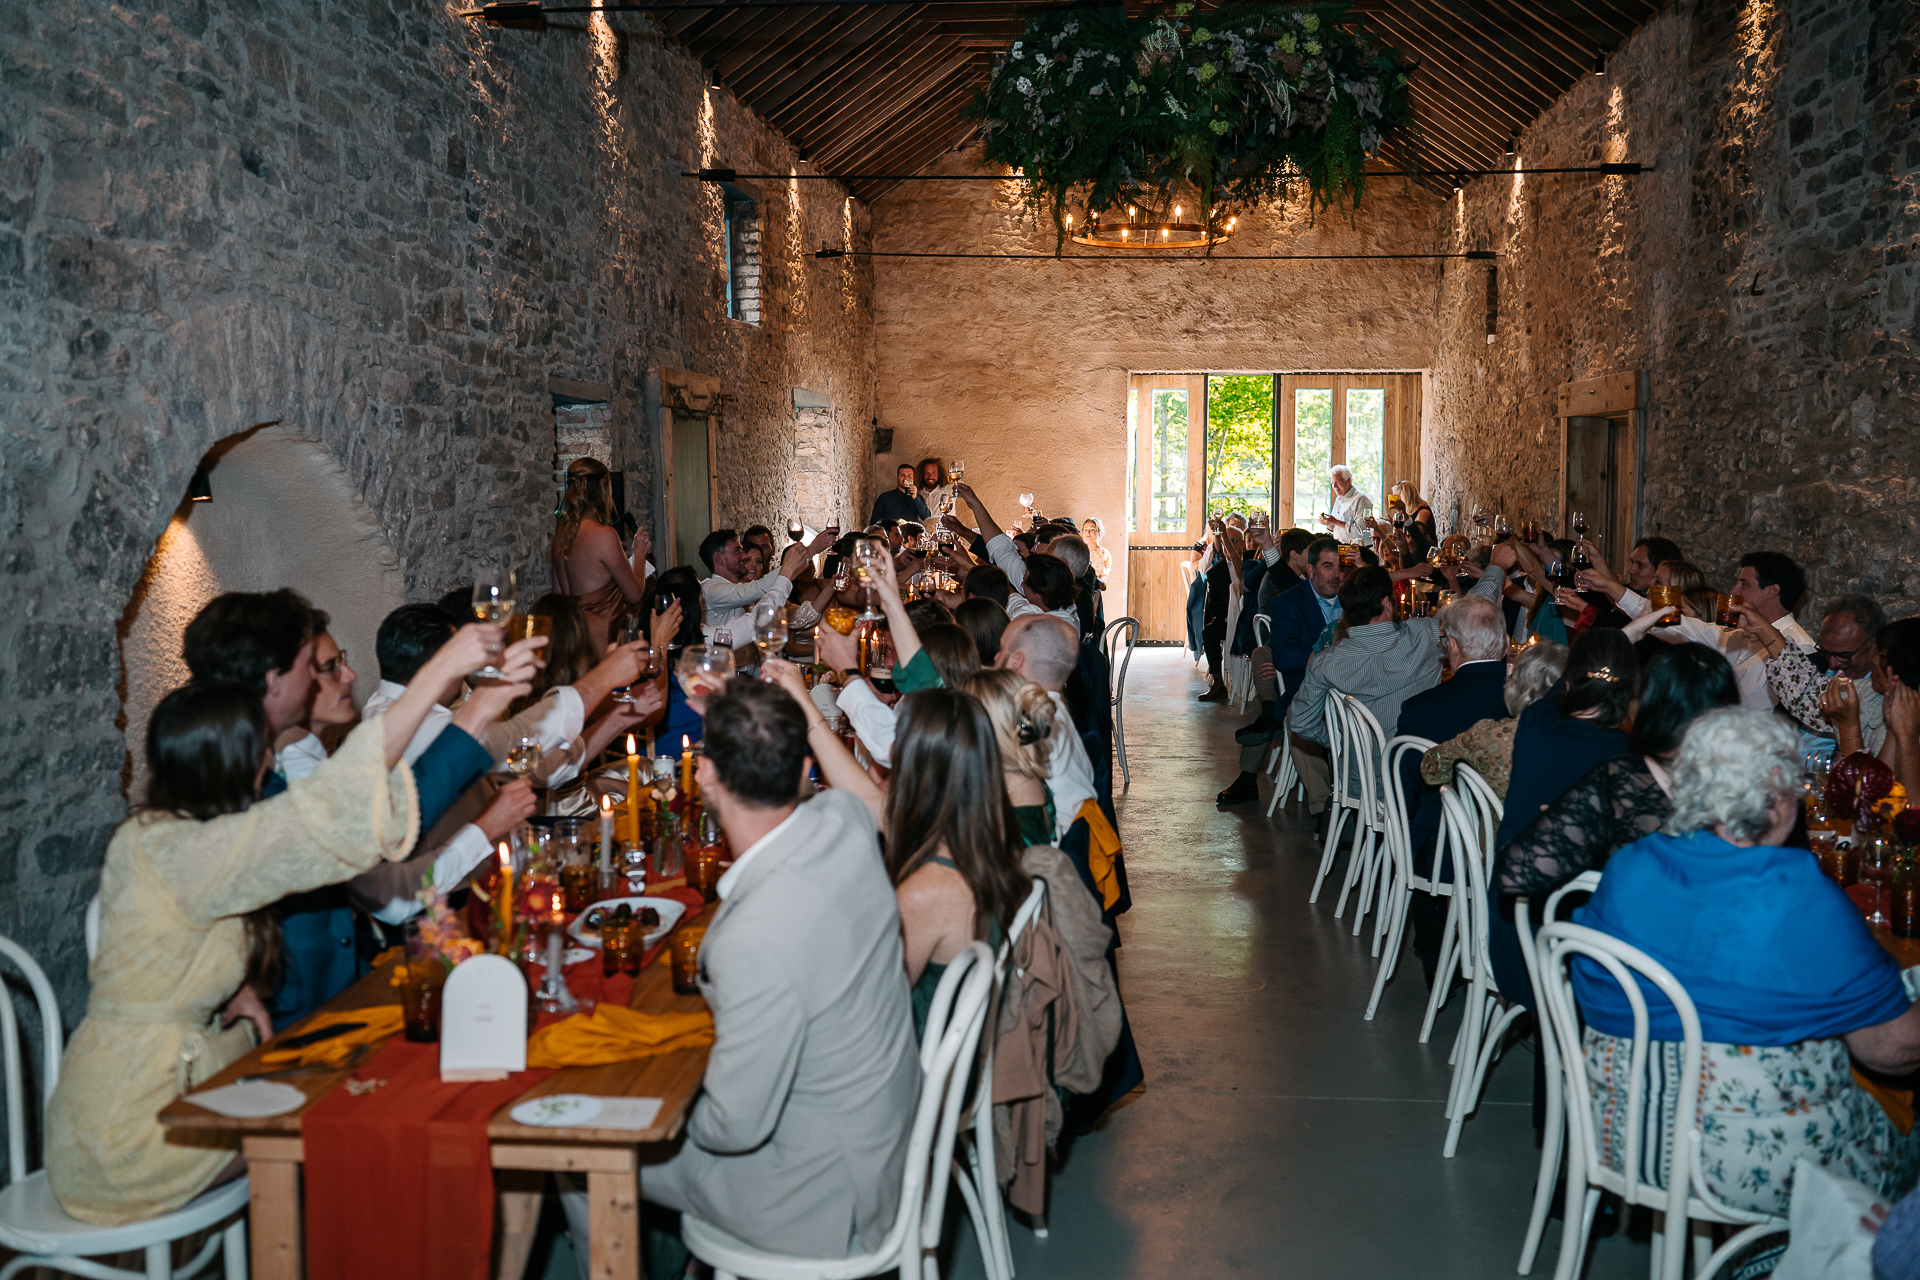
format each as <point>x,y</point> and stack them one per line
<point>1237,105</point>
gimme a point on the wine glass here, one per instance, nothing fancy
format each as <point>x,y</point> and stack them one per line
<point>523,758</point>
<point>1026,500</point>
<point>1579,524</point>
<point>704,669</point>
<point>946,501</point>
<point>866,554</point>
<point>769,631</point>
<point>957,470</point>
<point>1502,526</point>
<point>795,530</point>
<point>493,595</point>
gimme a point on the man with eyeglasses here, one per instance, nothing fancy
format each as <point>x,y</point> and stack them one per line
<point>1831,690</point>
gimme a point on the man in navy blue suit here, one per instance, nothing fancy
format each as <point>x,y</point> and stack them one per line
<point>1474,636</point>
<point>1299,616</point>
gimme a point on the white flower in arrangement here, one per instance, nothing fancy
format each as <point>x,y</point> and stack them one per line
<point>1025,86</point>
<point>1014,52</point>
<point>1113,59</point>
<point>1097,90</point>
<point>1040,60</point>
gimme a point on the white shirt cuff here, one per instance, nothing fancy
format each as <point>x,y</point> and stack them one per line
<point>871,718</point>
<point>1631,604</point>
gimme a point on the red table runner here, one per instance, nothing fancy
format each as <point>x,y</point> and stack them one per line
<point>399,1179</point>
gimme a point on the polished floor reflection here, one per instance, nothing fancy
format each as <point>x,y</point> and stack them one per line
<point>1278,1133</point>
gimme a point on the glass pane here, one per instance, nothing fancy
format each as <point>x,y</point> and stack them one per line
<point>1133,460</point>
<point>1312,454</point>
<point>1367,442</point>
<point>1239,444</point>
<point>1170,461</point>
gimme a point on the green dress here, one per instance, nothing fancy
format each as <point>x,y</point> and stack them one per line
<point>930,976</point>
<point>1036,821</point>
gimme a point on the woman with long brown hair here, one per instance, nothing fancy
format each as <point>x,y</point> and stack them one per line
<point>952,838</point>
<point>588,561</point>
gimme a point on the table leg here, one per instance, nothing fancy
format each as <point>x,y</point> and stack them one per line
<point>613,1208</point>
<point>520,1195</point>
<point>273,1195</point>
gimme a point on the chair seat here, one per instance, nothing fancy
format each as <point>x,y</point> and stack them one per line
<point>32,1221</point>
<point>726,1252</point>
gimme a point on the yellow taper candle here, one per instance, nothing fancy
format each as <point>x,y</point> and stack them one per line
<point>633,791</point>
<point>503,900</point>
<point>686,765</point>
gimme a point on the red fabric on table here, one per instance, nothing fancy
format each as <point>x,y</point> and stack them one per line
<point>399,1180</point>
<point>588,980</point>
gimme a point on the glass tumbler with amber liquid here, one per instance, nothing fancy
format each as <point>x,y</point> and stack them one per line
<point>1904,904</point>
<point>1665,597</point>
<point>1724,614</point>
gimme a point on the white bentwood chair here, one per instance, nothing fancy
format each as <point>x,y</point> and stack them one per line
<point>1678,1188</point>
<point>1401,883</point>
<point>977,1174</point>
<point>1110,640</point>
<point>911,1247</point>
<point>1354,744</point>
<point>33,1224</point>
<point>1473,812</point>
<point>1554,1139</point>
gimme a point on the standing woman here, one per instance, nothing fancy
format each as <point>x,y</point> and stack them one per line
<point>588,563</point>
<point>1093,530</point>
<point>1420,526</point>
<point>184,921</point>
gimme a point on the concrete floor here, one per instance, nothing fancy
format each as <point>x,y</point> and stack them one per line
<point>1278,1134</point>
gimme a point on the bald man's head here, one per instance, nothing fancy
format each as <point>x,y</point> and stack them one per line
<point>1043,649</point>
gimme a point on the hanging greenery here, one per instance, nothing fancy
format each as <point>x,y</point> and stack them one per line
<point>1236,104</point>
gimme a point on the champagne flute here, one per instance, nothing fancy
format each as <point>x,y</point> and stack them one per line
<point>769,632</point>
<point>493,595</point>
<point>866,554</point>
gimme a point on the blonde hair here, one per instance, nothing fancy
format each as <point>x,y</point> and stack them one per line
<point>1692,585</point>
<point>589,493</point>
<point>1024,718</point>
<point>1410,496</point>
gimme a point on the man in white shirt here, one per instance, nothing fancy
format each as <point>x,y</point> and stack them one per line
<point>1000,547</point>
<point>1352,509</point>
<point>465,836</point>
<point>1045,650</point>
<point>727,596</point>
<point>1770,582</point>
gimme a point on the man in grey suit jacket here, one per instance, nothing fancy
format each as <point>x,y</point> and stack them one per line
<point>797,1141</point>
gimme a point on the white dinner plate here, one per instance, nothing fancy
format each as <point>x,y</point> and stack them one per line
<point>557,1111</point>
<point>251,1100</point>
<point>670,909</point>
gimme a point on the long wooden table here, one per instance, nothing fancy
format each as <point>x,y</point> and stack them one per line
<point>608,1157</point>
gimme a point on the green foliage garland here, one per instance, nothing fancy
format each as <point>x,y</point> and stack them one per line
<point>1237,104</point>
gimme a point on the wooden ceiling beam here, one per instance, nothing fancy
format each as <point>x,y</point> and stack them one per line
<point>887,133</point>
<point>908,83</point>
<point>1490,45</point>
<point>779,74</point>
<point>1576,54</point>
<point>899,54</point>
<point>1438,57</point>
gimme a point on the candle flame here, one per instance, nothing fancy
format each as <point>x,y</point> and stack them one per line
<point>686,743</point>
<point>506,856</point>
<point>632,746</point>
<point>559,904</point>
<point>606,805</point>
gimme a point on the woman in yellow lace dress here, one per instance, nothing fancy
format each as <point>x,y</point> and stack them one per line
<point>181,877</point>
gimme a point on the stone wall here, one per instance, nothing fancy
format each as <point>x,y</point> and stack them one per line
<point>1020,368</point>
<point>1762,275</point>
<point>384,227</point>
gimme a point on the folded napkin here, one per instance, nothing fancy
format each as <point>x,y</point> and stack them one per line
<point>613,1034</point>
<point>384,1021</point>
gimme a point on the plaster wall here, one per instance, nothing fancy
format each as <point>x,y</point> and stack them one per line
<point>1021,368</point>
<point>384,227</point>
<point>1761,275</point>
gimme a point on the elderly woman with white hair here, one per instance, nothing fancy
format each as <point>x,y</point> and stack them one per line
<point>1788,981</point>
<point>1352,509</point>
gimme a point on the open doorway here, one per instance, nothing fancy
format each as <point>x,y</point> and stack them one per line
<point>1601,423</point>
<point>1201,445</point>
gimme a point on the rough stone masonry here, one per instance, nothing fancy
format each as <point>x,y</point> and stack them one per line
<point>384,225</point>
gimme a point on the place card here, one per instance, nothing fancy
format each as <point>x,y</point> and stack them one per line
<point>483,1020</point>
<point>584,1111</point>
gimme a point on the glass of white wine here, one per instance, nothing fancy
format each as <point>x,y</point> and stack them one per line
<point>866,554</point>
<point>957,470</point>
<point>704,669</point>
<point>523,758</point>
<point>494,590</point>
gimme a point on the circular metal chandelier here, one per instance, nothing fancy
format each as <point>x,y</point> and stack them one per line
<point>1139,229</point>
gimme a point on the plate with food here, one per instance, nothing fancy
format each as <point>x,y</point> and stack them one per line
<point>656,915</point>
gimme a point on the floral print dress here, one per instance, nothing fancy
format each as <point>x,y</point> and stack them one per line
<point>1761,1108</point>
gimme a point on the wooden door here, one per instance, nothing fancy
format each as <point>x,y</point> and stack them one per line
<point>1166,491</point>
<point>690,485</point>
<point>1602,424</point>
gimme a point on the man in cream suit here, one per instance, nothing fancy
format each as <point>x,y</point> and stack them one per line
<point>797,1140</point>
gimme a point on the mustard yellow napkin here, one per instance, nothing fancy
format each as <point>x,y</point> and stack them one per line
<point>613,1034</point>
<point>383,1021</point>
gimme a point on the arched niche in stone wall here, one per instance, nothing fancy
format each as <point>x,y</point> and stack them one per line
<point>284,514</point>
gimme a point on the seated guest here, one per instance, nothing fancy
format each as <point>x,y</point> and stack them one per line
<point>1024,720</point>
<point>1847,632</point>
<point>728,595</point>
<point>1044,650</point>
<point>926,613</point>
<point>1287,569</point>
<point>986,622</point>
<point>759,538</point>
<point>299,749</point>
<point>1789,984</point>
<point>1375,657</point>
<point>902,502</point>
<point>587,559</point>
<point>798,1137</point>
<point>1487,747</point>
<point>185,919</point>
<point>1071,551</point>
<point>951,650</point>
<point>1615,803</point>
<point>1049,588</point>
<point>1009,553</point>
<point>1286,562</point>
<point>988,582</point>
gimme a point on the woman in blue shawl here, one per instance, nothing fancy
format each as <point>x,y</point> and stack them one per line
<point>1785,975</point>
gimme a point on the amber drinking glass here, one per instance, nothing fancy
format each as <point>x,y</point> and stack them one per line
<point>618,935</point>
<point>686,961</point>
<point>1723,610</point>
<point>703,871</point>
<point>420,993</point>
<point>1904,907</point>
<point>1662,597</point>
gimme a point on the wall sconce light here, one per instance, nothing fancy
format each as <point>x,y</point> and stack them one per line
<point>1600,62</point>
<point>199,489</point>
<point>1513,142</point>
